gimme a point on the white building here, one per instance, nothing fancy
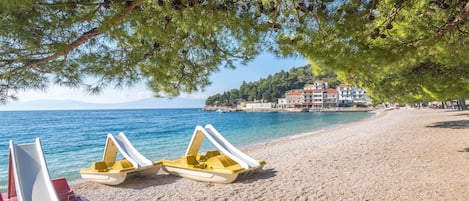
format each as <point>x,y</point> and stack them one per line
<point>318,97</point>
<point>260,105</point>
<point>344,92</point>
<point>349,95</point>
<point>282,103</point>
<point>330,98</point>
<point>359,95</point>
<point>318,84</point>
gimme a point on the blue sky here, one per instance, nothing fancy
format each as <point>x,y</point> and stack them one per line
<point>223,80</point>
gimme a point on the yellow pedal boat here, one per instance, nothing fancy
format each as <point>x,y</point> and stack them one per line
<point>112,172</point>
<point>212,166</point>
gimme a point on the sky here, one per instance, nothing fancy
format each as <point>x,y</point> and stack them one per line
<point>223,80</point>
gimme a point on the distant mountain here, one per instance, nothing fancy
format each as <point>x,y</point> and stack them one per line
<point>77,105</point>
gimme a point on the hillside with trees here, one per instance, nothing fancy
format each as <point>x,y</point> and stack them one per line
<point>271,88</point>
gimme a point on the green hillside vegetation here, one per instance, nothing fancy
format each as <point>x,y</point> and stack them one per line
<point>272,88</point>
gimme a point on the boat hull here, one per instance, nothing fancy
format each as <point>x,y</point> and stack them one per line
<point>203,176</point>
<point>105,178</point>
<point>116,178</point>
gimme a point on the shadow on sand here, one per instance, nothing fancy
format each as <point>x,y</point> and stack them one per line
<point>162,179</point>
<point>144,182</point>
<point>461,114</point>
<point>460,124</point>
<point>264,174</point>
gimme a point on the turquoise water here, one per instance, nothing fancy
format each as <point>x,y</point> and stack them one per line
<point>73,139</point>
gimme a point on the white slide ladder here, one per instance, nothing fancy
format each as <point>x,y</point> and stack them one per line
<point>237,155</point>
<point>32,179</point>
<point>222,144</point>
<point>129,152</point>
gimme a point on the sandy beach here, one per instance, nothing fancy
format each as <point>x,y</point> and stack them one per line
<point>405,154</point>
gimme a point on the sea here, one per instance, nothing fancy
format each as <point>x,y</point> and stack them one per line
<point>73,139</point>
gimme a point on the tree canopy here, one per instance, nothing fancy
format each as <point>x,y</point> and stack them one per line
<point>398,50</point>
<point>405,51</point>
<point>173,46</point>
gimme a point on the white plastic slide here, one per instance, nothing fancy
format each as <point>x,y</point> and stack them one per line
<point>32,179</point>
<point>129,152</point>
<point>224,146</point>
<point>250,162</point>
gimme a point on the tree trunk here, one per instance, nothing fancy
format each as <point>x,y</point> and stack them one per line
<point>454,23</point>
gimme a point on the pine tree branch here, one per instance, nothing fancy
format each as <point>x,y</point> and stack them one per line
<point>86,36</point>
<point>66,3</point>
<point>457,21</point>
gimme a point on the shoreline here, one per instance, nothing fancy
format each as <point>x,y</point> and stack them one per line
<point>223,109</point>
<point>313,133</point>
<point>393,155</point>
<point>266,143</point>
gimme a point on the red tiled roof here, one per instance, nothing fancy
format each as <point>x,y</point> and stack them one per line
<point>295,93</point>
<point>331,91</point>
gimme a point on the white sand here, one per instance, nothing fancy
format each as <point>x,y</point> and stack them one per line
<point>399,155</point>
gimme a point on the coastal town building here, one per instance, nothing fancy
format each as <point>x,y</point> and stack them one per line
<point>319,95</point>
<point>349,95</point>
<point>260,105</point>
<point>295,98</point>
<point>314,94</point>
<point>314,97</point>
<point>330,98</point>
<point>282,103</point>
<point>319,84</point>
<point>359,95</point>
<point>308,95</point>
<point>344,92</point>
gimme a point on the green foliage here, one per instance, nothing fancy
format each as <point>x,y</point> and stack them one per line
<point>173,46</point>
<point>269,89</point>
<point>405,51</point>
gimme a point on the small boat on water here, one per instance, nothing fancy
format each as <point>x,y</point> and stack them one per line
<point>220,166</point>
<point>113,172</point>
